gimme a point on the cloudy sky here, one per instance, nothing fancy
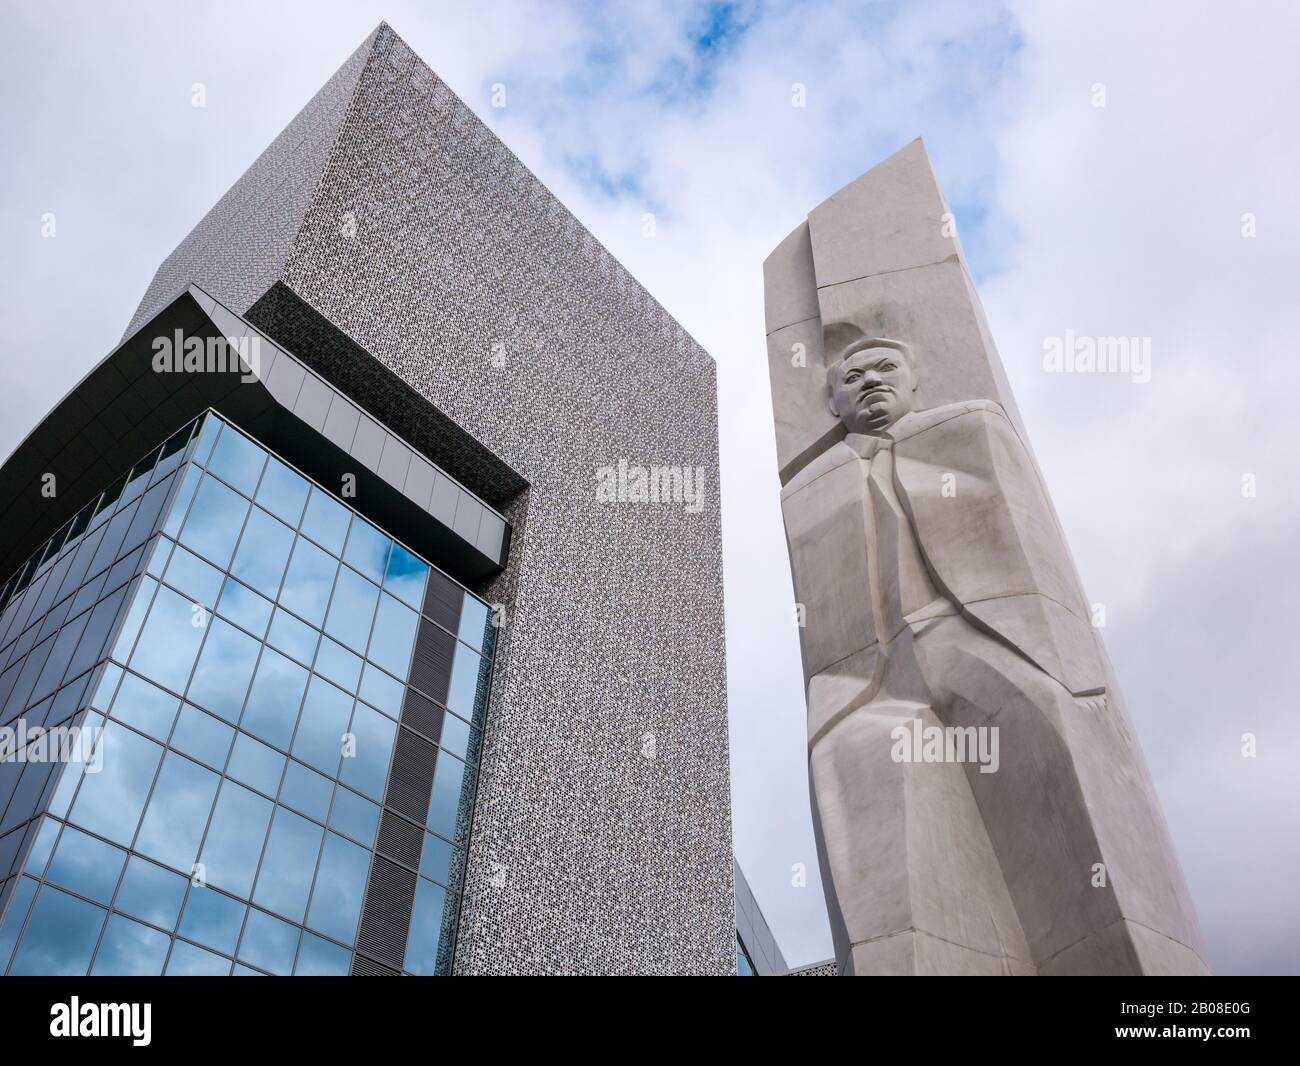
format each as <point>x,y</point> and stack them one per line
<point>1166,213</point>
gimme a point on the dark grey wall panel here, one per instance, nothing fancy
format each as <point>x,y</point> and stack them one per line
<point>282,403</point>
<point>753,931</point>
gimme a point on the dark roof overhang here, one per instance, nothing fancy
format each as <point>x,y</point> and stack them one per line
<point>125,406</point>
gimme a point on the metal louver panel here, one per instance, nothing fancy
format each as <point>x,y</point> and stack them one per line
<point>422,715</point>
<point>442,601</point>
<point>400,840</point>
<point>431,663</point>
<point>363,967</point>
<point>410,780</point>
<point>386,916</point>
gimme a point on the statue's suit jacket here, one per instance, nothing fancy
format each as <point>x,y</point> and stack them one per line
<point>986,531</point>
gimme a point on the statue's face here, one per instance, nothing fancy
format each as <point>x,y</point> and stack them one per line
<point>872,389</point>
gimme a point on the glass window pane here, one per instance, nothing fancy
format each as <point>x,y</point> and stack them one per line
<point>106,686</point>
<point>169,641</point>
<point>113,540</point>
<point>48,599</point>
<point>283,492</point>
<point>133,544</point>
<point>181,501</point>
<point>288,866</point>
<point>23,604</point>
<point>207,437</point>
<point>80,559</point>
<point>145,706</point>
<point>382,691</point>
<point>426,929</point>
<point>245,607</point>
<point>87,866</point>
<point>102,619</point>
<point>326,521</point>
<point>269,943</point>
<point>159,557</point>
<point>394,634</point>
<point>60,938</point>
<point>224,670</point>
<point>147,517</point>
<point>110,800</point>
<point>13,707</point>
<point>234,840</point>
<point>69,699</point>
<point>455,735</point>
<point>255,764</point>
<point>19,904</point>
<point>340,888</point>
<point>366,760</point>
<point>76,528</point>
<point>141,598</point>
<point>30,669</point>
<point>435,859</point>
<point>367,549</point>
<point>466,672</point>
<point>203,737</point>
<point>60,615</point>
<point>352,610</point>
<point>325,716</point>
<point>88,593</point>
<point>357,817</point>
<point>263,551</point>
<point>188,961</point>
<point>58,708</point>
<point>172,453</point>
<point>189,574</point>
<point>320,958</point>
<point>274,699</point>
<point>212,919</point>
<point>26,799</point>
<point>338,664</point>
<point>130,949</point>
<point>449,782</point>
<point>151,893</point>
<point>178,811</point>
<point>138,478</point>
<point>214,522</point>
<point>39,853</point>
<point>86,750</point>
<point>36,716</point>
<point>50,549</point>
<point>306,791</point>
<point>293,637</point>
<point>473,622</point>
<point>308,582</point>
<point>405,577</point>
<point>237,460</point>
<point>61,655</point>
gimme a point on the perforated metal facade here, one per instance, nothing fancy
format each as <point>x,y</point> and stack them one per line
<point>391,242</point>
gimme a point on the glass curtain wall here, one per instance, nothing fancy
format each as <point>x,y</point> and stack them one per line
<point>250,706</point>
<point>57,613</point>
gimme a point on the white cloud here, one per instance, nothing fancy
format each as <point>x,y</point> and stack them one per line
<point>1127,220</point>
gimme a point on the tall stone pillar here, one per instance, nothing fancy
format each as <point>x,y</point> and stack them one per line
<point>980,800</point>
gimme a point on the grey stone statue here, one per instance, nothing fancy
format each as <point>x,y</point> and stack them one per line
<point>980,801</point>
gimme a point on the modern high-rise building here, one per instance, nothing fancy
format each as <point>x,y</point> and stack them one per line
<point>380,564</point>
